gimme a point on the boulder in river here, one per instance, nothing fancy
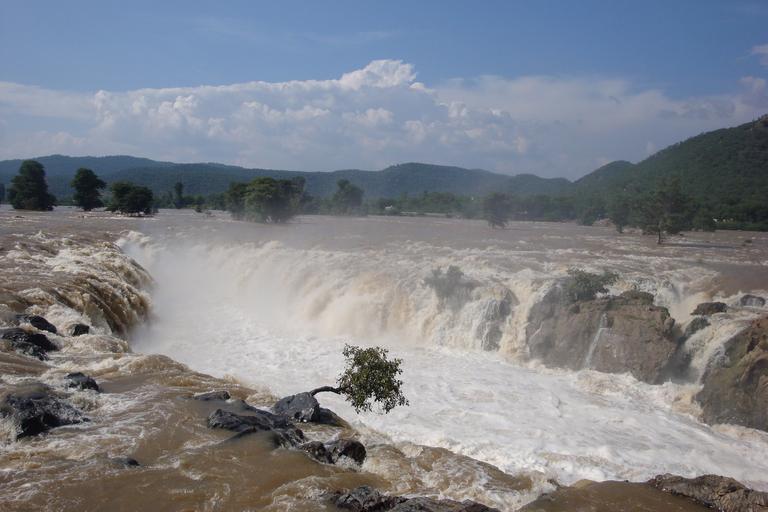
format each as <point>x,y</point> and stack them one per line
<point>255,420</point>
<point>735,389</point>
<point>80,329</point>
<point>752,301</point>
<point>710,308</point>
<point>30,343</point>
<point>36,408</point>
<point>331,452</point>
<point>368,499</point>
<point>80,380</point>
<point>717,492</point>
<point>304,408</point>
<point>615,334</point>
<point>697,324</point>
<point>210,396</point>
<point>38,322</point>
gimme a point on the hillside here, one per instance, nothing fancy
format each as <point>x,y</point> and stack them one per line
<point>723,167</point>
<point>209,178</point>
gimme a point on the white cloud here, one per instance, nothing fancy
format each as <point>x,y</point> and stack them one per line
<point>762,52</point>
<point>371,117</point>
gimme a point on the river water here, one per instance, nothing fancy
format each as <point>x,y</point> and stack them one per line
<point>266,310</point>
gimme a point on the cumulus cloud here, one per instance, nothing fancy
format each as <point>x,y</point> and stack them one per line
<point>372,117</point>
<point>762,53</point>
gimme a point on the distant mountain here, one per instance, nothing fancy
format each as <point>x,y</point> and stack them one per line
<point>722,167</point>
<point>208,178</point>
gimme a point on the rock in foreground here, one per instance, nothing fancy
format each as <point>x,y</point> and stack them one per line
<point>710,308</point>
<point>29,343</point>
<point>718,492</point>
<point>35,409</point>
<point>736,390</point>
<point>367,499</point>
<point>80,380</point>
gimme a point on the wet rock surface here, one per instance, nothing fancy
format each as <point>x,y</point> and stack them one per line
<point>368,499</point>
<point>250,420</point>
<point>331,452</point>
<point>211,396</point>
<point>38,322</point>
<point>29,343</point>
<point>718,492</point>
<point>80,380</point>
<point>695,326</point>
<point>736,389</point>
<point>752,301</point>
<point>35,408</point>
<point>616,334</point>
<point>80,329</point>
<point>304,408</point>
<point>710,308</point>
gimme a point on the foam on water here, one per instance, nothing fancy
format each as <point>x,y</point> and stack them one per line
<point>272,315</point>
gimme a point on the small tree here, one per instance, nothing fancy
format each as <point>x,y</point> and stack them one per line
<point>2,193</point>
<point>131,199</point>
<point>178,195</point>
<point>619,210</point>
<point>582,285</point>
<point>29,190</point>
<point>87,189</point>
<point>348,198</point>
<point>369,378</point>
<point>667,210</point>
<point>496,209</point>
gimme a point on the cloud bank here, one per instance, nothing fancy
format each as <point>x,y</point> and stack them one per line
<point>373,117</point>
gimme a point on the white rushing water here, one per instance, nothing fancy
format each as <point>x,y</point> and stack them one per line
<point>277,317</point>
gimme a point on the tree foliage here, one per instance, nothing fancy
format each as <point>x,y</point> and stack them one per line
<point>667,210</point>
<point>496,210</point>
<point>369,378</point>
<point>88,188</point>
<point>582,285</point>
<point>348,198</point>
<point>2,193</point>
<point>131,199</point>
<point>29,189</point>
<point>265,199</point>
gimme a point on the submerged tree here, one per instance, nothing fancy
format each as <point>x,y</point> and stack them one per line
<point>2,193</point>
<point>666,211</point>
<point>369,378</point>
<point>178,195</point>
<point>496,209</point>
<point>131,199</point>
<point>619,210</point>
<point>87,189</point>
<point>348,198</point>
<point>29,190</point>
<point>582,285</point>
<point>265,199</point>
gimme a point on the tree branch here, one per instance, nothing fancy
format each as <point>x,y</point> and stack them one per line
<point>322,389</point>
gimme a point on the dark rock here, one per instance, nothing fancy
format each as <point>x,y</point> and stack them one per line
<point>33,344</point>
<point>80,329</point>
<point>302,407</point>
<point>695,326</point>
<point>81,381</point>
<point>710,308</point>
<point>346,448</point>
<point>718,492</point>
<point>125,462</point>
<point>367,499</point>
<point>617,334</point>
<point>752,301</point>
<point>35,409</point>
<point>331,452</point>
<point>37,322</point>
<point>735,389</point>
<point>284,432</point>
<point>213,395</point>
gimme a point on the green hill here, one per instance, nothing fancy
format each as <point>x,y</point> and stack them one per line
<point>210,178</point>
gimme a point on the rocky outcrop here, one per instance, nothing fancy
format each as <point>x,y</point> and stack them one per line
<point>29,343</point>
<point>718,492</point>
<point>710,308</point>
<point>616,334</point>
<point>752,301</point>
<point>735,388</point>
<point>36,408</point>
<point>37,322</point>
<point>331,452</point>
<point>304,408</point>
<point>697,324</point>
<point>211,396</point>
<point>367,499</point>
<point>283,432</point>
<point>81,381</point>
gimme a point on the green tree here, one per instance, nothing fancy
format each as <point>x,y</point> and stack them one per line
<point>666,211</point>
<point>178,195</point>
<point>2,193</point>
<point>131,199</point>
<point>87,189</point>
<point>583,285</point>
<point>369,378</point>
<point>496,209</point>
<point>29,190</point>
<point>618,211</point>
<point>265,200</point>
<point>348,198</point>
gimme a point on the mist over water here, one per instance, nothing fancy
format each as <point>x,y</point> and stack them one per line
<point>273,306</point>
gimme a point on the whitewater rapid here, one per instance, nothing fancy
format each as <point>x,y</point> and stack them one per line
<point>276,316</point>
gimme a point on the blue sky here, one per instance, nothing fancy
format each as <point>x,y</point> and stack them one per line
<point>554,88</point>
